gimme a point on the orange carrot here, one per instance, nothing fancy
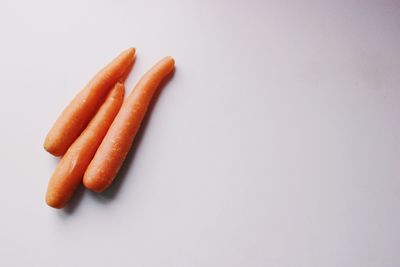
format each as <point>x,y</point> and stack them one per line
<point>69,172</point>
<point>118,140</point>
<point>82,108</point>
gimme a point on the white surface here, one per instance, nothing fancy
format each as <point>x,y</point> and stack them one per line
<point>276,143</point>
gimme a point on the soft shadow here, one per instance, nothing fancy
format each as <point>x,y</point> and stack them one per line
<point>115,187</point>
<point>55,160</point>
<point>74,202</point>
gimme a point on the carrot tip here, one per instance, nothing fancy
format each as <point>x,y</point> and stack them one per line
<point>170,58</point>
<point>131,50</point>
<point>50,148</point>
<point>93,185</point>
<point>54,204</point>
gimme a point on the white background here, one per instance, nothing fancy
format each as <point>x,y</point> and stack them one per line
<point>276,143</point>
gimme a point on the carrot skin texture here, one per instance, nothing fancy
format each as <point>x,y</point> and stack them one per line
<point>82,108</point>
<point>116,144</point>
<point>69,172</point>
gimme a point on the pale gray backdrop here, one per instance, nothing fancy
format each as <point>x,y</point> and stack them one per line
<point>276,143</point>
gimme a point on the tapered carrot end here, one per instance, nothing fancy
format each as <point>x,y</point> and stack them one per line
<point>130,51</point>
<point>130,54</point>
<point>170,61</point>
<point>127,71</point>
<point>54,201</point>
<point>162,68</point>
<point>93,184</point>
<point>50,146</point>
<point>47,146</point>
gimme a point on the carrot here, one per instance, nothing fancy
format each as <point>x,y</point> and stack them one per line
<point>69,172</point>
<point>118,140</point>
<point>82,108</point>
